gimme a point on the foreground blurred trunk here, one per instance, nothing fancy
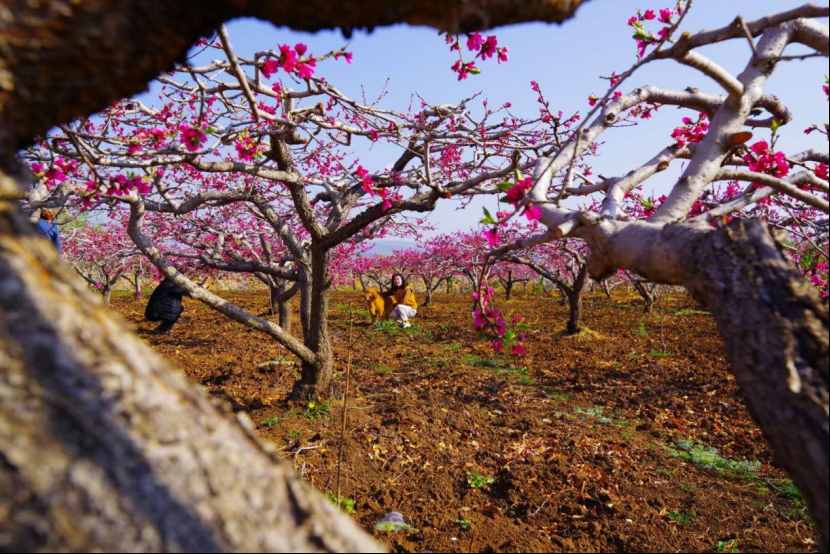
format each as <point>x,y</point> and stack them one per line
<point>103,446</point>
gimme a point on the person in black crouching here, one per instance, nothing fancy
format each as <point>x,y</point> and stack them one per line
<point>165,305</point>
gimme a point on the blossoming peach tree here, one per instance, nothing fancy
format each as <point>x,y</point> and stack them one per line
<point>252,165</point>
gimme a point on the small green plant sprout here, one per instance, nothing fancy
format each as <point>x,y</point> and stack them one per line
<point>344,503</point>
<point>479,481</point>
<point>660,354</point>
<point>727,545</point>
<point>641,330</point>
<point>682,517</point>
<point>393,522</point>
<point>316,410</point>
<point>463,523</point>
<point>270,422</point>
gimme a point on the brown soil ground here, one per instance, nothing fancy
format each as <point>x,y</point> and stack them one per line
<point>593,443</point>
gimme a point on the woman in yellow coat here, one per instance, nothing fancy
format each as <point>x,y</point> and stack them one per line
<point>402,298</point>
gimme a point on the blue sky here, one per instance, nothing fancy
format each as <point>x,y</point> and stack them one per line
<point>567,61</point>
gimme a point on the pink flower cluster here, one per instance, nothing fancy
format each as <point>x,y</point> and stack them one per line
<point>192,137</point>
<point>122,185</point>
<point>367,182</point>
<point>484,48</point>
<point>691,132</point>
<point>247,147</point>
<point>645,38</point>
<point>763,160</point>
<point>291,61</point>
<point>57,173</point>
<point>488,318</point>
<point>517,192</point>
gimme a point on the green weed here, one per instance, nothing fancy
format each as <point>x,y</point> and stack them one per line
<point>479,481</point>
<point>344,503</point>
<point>270,422</point>
<point>316,410</point>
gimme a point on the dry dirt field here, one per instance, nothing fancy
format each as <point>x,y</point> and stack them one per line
<point>632,437</point>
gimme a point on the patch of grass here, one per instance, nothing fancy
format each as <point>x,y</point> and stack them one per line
<point>479,481</point>
<point>454,346</point>
<point>709,458</point>
<point>786,489</point>
<point>641,330</point>
<point>687,488</point>
<point>526,380</point>
<point>389,327</point>
<point>556,395</point>
<point>660,354</point>
<point>294,435</point>
<point>595,412</point>
<point>383,370</point>
<point>729,545</point>
<point>477,361</point>
<point>344,503</point>
<point>682,517</point>
<point>317,410</point>
<point>270,422</point>
<point>501,367</point>
<point>690,311</point>
<point>464,524</point>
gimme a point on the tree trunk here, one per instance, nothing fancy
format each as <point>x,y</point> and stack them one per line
<point>775,328</point>
<point>315,380</point>
<point>103,446</point>
<point>137,293</point>
<point>429,289</point>
<point>106,293</point>
<point>449,285</point>
<point>574,295</point>
<point>508,288</point>
<point>278,305</point>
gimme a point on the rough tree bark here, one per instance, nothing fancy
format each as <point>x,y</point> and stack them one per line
<point>775,329</point>
<point>102,445</point>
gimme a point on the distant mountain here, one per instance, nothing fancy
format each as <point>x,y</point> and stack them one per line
<point>382,247</point>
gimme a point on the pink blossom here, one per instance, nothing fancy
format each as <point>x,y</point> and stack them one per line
<point>489,48</point>
<point>474,42</point>
<point>191,137</point>
<point>288,58</point>
<point>300,49</point>
<point>269,67</point>
<point>533,212</point>
<point>492,236</point>
<point>649,15</point>
<point>665,15</point>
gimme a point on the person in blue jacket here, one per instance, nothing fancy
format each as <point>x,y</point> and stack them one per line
<point>47,227</point>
